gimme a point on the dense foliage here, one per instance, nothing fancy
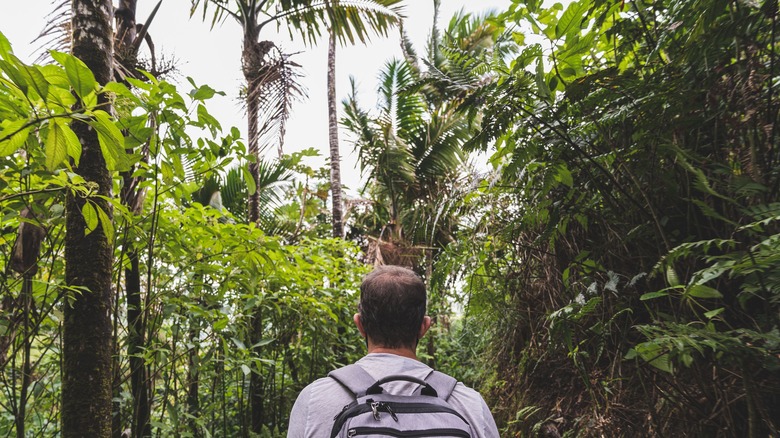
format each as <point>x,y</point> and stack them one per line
<point>611,270</point>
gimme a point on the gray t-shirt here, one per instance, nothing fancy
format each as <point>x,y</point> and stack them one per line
<point>317,405</point>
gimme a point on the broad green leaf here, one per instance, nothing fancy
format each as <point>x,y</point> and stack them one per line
<point>90,217</point>
<point>55,147</point>
<point>10,69</point>
<point>12,136</point>
<point>249,180</point>
<point>36,80</point>
<point>72,142</point>
<point>106,223</point>
<point>118,89</point>
<point>702,291</point>
<point>221,323</point>
<point>571,19</point>
<point>79,75</point>
<point>245,369</point>
<point>59,87</point>
<point>112,143</point>
<point>204,92</point>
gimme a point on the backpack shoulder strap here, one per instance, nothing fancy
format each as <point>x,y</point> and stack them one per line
<point>442,383</point>
<point>354,378</point>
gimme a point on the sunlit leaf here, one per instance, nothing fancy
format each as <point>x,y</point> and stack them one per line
<point>90,217</point>
<point>79,75</point>
<point>56,146</point>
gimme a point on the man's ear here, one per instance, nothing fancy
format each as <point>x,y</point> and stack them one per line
<point>426,324</point>
<point>359,324</point>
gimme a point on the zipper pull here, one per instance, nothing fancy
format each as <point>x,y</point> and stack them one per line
<point>390,411</point>
<point>352,432</point>
<point>375,410</point>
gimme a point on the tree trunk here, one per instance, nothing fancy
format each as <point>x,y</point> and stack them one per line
<point>252,60</point>
<point>87,349</point>
<point>333,131</point>
<point>193,378</point>
<point>256,384</point>
<point>135,348</point>
<point>132,198</point>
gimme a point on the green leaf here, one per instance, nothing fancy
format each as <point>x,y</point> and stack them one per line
<point>541,83</point>
<point>204,92</point>
<point>36,80</point>
<point>72,143</point>
<point>653,295</point>
<point>56,147</point>
<point>249,180</point>
<point>107,224</point>
<point>15,75</point>
<point>671,276</point>
<point>564,176</point>
<point>79,75</point>
<point>571,20</point>
<point>702,291</point>
<point>5,46</point>
<point>90,217</point>
<point>12,136</point>
<point>713,313</point>
<point>245,369</point>
<point>112,143</point>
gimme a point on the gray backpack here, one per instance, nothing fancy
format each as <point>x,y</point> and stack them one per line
<point>425,413</point>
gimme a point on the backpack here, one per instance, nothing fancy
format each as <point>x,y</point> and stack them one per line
<point>425,413</point>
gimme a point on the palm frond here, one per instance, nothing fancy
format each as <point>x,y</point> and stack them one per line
<point>351,20</point>
<point>276,87</point>
<point>56,32</point>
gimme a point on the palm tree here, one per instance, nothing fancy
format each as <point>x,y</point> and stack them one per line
<point>333,128</point>
<point>333,141</point>
<point>270,75</point>
<point>412,148</point>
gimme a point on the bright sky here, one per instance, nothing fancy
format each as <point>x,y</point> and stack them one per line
<point>213,57</point>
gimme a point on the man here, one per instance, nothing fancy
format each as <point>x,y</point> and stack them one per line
<point>392,319</point>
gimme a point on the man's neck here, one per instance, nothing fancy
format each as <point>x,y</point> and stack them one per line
<point>404,352</point>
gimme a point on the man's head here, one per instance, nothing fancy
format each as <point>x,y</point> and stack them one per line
<point>392,307</point>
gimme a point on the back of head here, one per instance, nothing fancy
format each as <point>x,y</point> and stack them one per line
<point>392,306</point>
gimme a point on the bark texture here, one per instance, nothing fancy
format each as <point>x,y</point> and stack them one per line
<point>87,346</point>
<point>333,137</point>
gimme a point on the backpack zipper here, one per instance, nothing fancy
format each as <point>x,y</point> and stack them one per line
<point>362,431</point>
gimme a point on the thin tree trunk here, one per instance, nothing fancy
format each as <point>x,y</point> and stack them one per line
<point>132,198</point>
<point>26,365</point>
<point>193,378</point>
<point>135,348</point>
<point>87,349</point>
<point>333,137</point>
<point>256,384</point>
<point>252,57</point>
<point>24,260</point>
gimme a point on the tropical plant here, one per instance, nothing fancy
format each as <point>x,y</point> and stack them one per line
<point>270,75</point>
<point>635,150</point>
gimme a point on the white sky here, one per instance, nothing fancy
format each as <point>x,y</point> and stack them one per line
<point>213,57</point>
